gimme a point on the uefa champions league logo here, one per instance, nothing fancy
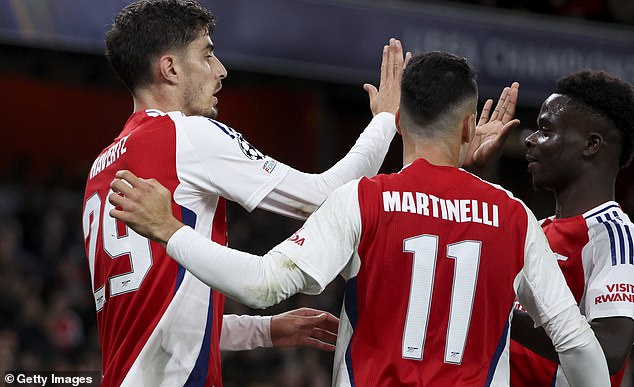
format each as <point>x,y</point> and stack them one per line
<point>248,149</point>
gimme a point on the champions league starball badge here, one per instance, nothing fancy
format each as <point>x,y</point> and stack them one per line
<point>248,149</point>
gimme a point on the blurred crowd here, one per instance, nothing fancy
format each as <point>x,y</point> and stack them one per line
<point>47,312</point>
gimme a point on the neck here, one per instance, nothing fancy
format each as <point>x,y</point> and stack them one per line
<point>583,195</point>
<point>156,98</point>
<point>435,152</point>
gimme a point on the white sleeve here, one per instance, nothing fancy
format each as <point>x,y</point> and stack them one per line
<point>580,354</point>
<point>543,292</point>
<point>214,158</point>
<point>326,243</point>
<point>299,193</point>
<point>255,281</point>
<point>241,333</point>
<point>306,262</point>
<point>610,274</point>
<point>540,286</point>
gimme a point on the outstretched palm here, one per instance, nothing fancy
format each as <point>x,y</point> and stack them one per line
<point>493,128</point>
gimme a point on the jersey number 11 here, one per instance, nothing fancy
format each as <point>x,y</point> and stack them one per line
<point>467,257</point>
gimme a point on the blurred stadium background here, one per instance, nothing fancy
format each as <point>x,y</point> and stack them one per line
<point>296,68</point>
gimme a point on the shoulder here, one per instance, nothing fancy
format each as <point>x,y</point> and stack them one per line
<point>209,125</point>
<point>609,220</point>
<point>609,226</point>
<point>499,195</point>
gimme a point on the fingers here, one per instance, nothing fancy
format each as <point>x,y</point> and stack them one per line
<point>506,130</point>
<point>505,108</point>
<point>486,111</point>
<point>120,215</point>
<point>371,90</point>
<point>392,63</point>
<point>310,342</point>
<point>117,200</point>
<point>384,65</point>
<point>500,105</point>
<point>128,176</point>
<point>408,57</point>
<point>122,187</point>
<point>325,336</point>
<point>511,103</point>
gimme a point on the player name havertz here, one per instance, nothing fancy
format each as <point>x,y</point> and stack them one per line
<point>456,210</point>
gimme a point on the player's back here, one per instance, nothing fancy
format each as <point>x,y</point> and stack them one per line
<point>154,319</point>
<point>431,301</point>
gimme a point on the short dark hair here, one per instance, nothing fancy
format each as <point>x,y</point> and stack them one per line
<point>433,83</point>
<point>146,29</point>
<point>608,96</point>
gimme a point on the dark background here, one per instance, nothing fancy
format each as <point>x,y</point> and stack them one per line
<point>60,106</point>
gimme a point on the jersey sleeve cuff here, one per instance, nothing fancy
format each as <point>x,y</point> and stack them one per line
<point>180,240</point>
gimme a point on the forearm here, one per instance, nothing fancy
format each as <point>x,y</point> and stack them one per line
<point>241,333</point>
<point>255,281</point>
<point>580,354</point>
<point>299,194</point>
<point>584,364</point>
<point>366,155</point>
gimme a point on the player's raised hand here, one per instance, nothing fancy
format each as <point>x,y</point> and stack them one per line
<point>388,95</point>
<point>144,205</point>
<point>493,128</point>
<point>305,327</point>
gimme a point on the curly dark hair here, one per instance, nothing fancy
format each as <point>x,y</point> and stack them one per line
<point>146,29</point>
<point>610,97</point>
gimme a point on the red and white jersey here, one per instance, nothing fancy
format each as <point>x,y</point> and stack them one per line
<point>432,257</point>
<point>595,252</point>
<point>159,325</point>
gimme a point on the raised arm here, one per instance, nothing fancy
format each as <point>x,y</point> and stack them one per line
<point>299,193</point>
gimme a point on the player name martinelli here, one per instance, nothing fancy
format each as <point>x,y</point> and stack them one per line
<point>456,210</point>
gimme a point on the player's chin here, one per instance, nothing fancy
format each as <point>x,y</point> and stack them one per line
<point>213,113</point>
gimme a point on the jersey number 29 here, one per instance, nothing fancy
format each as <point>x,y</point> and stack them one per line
<point>131,244</point>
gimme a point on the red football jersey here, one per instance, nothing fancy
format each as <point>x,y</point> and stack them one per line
<point>432,257</point>
<point>454,263</point>
<point>595,252</point>
<point>157,323</point>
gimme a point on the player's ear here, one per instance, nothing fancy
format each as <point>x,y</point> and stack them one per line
<point>593,144</point>
<point>468,128</point>
<point>168,68</point>
<point>397,119</point>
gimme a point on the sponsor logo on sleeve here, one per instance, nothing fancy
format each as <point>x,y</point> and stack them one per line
<point>269,166</point>
<point>618,292</point>
<point>296,238</point>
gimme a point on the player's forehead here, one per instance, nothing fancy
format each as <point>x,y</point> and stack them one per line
<point>202,42</point>
<point>555,107</point>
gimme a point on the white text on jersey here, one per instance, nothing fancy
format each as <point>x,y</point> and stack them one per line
<point>108,157</point>
<point>457,210</point>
